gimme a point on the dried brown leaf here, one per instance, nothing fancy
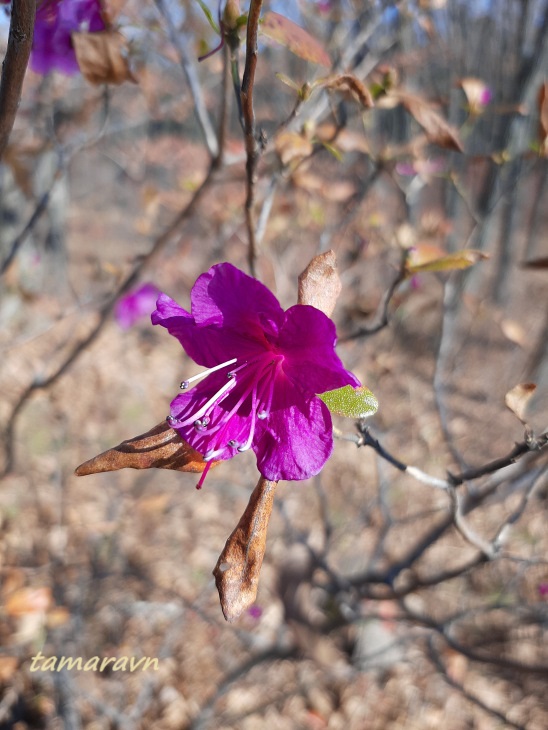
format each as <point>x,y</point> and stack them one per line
<point>437,129</point>
<point>352,85</point>
<point>291,146</point>
<point>449,262</point>
<point>239,565</point>
<point>319,284</point>
<point>159,448</point>
<point>102,57</point>
<point>28,600</point>
<point>518,398</point>
<point>284,31</point>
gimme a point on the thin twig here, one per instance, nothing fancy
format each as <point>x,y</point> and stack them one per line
<point>23,13</point>
<point>104,312</point>
<point>251,146</point>
<point>189,69</point>
<point>382,316</point>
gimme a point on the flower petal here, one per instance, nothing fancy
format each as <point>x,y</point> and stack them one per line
<point>294,442</point>
<point>225,296</point>
<point>209,345</point>
<point>307,341</point>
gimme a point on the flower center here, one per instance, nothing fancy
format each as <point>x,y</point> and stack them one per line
<point>227,419</point>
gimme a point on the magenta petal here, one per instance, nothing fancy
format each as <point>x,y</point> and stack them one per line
<point>225,296</point>
<point>294,442</point>
<point>207,346</point>
<point>307,340</point>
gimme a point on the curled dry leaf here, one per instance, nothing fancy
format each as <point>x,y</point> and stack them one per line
<point>284,31</point>
<point>292,147</point>
<point>420,261</point>
<point>28,600</point>
<point>437,129</point>
<point>319,284</point>
<point>347,83</point>
<point>239,565</point>
<point>518,398</point>
<point>159,448</point>
<point>102,57</point>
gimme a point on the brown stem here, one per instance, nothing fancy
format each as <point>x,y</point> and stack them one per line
<point>23,13</point>
<point>251,146</point>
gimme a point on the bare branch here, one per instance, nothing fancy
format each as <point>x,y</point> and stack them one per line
<point>251,146</point>
<point>23,13</point>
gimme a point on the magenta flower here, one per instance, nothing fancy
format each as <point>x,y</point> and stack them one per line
<point>56,20</point>
<point>265,370</point>
<point>138,303</point>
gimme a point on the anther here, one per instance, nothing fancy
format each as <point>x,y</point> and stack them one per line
<point>186,383</point>
<point>262,415</point>
<point>232,443</point>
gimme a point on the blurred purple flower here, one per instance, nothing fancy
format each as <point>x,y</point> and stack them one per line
<point>265,369</point>
<point>255,611</point>
<point>486,96</point>
<point>56,20</point>
<point>543,590</point>
<point>138,303</point>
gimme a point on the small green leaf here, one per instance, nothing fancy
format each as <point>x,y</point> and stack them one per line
<point>350,402</point>
<point>209,16</point>
<point>333,151</point>
<point>458,260</point>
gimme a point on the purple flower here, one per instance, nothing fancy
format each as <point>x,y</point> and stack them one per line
<point>543,590</point>
<point>56,20</point>
<point>138,303</point>
<point>265,369</point>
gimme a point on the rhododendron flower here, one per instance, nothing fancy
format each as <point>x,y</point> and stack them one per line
<point>136,304</point>
<point>56,20</point>
<point>265,370</point>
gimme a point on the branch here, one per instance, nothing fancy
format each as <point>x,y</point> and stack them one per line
<point>104,313</point>
<point>202,116</point>
<point>23,13</point>
<point>251,146</point>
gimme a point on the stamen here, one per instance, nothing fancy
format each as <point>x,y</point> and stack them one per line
<point>204,474</point>
<point>212,401</point>
<point>210,455</point>
<point>186,383</point>
<point>247,444</point>
<point>231,443</point>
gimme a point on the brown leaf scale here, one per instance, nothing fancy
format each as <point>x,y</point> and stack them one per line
<point>159,448</point>
<point>239,565</point>
<point>319,284</point>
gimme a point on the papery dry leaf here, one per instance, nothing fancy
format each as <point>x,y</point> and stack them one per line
<point>103,57</point>
<point>159,448</point>
<point>518,398</point>
<point>450,262</point>
<point>514,332</point>
<point>8,665</point>
<point>352,85</point>
<point>319,284</point>
<point>28,600</point>
<point>291,146</point>
<point>239,565</point>
<point>437,129</point>
<point>284,31</point>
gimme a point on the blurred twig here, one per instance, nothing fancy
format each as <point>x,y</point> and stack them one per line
<point>251,145</point>
<point>23,13</point>
<point>189,68</point>
<point>42,383</point>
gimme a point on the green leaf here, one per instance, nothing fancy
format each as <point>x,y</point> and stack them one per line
<point>209,16</point>
<point>350,402</point>
<point>333,151</point>
<point>450,262</point>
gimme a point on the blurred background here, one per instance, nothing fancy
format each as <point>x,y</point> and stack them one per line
<point>396,134</point>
